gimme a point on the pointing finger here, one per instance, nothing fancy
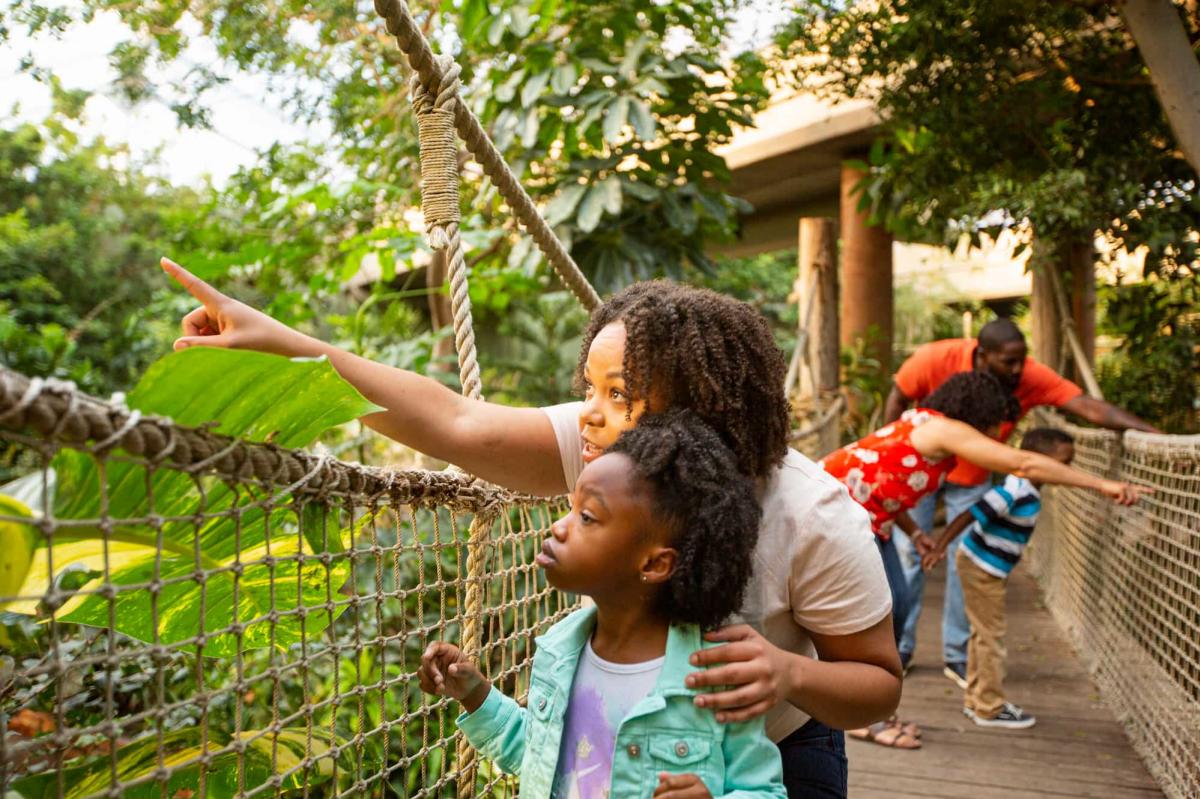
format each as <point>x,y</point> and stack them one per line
<point>194,285</point>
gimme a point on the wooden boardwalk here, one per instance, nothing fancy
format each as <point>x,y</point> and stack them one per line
<point>1076,749</point>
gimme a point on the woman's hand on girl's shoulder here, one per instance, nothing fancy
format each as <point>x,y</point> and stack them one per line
<point>446,671</point>
<point>755,673</point>
<point>680,786</point>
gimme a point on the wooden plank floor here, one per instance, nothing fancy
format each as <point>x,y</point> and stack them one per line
<point>1076,749</point>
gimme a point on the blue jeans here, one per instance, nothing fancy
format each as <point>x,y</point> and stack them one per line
<point>897,582</point>
<point>814,762</point>
<point>955,627</point>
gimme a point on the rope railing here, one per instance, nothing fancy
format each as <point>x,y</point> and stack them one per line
<point>252,627</point>
<point>1125,583</point>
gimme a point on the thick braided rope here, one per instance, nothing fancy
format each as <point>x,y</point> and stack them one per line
<point>415,47</point>
<point>439,152</point>
<point>55,412</point>
<point>472,636</point>
<point>439,200</point>
<point>436,104</point>
<point>460,305</point>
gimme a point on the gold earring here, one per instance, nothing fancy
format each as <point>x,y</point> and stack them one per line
<point>643,578</point>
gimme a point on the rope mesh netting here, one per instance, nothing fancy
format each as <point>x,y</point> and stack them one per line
<point>1125,583</point>
<point>253,626</point>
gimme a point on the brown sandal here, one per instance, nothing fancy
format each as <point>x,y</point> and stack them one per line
<point>884,734</point>
<point>909,728</point>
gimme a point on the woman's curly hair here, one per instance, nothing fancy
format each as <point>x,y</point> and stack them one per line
<point>708,505</point>
<point>707,352</point>
<point>977,398</point>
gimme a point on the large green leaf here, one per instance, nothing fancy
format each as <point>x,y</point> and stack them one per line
<point>17,542</point>
<point>266,756</point>
<point>218,542</point>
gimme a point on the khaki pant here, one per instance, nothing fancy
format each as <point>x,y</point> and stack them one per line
<point>983,597</point>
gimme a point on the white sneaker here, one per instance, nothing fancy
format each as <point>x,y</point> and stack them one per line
<point>957,673</point>
<point>1010,717</point>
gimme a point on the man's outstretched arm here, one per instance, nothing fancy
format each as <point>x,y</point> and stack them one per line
<point>1105,414</point>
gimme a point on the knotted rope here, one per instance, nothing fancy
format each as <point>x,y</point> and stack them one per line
<point>435,100</point>
<point>439,153</point>
<point>413,44</point>
<point>56,412</point>
<point>439,201</point>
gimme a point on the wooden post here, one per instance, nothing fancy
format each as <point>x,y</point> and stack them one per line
<point>1071,343</point>
<point>1082,263</point>
<point>1047,331</point>
<point>818,271</point>
<point>866,275</point>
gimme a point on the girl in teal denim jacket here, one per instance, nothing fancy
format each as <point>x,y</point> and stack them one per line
<point>660,535</point>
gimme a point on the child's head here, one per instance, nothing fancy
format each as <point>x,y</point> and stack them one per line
<point>1051,442</point>
<point>976,398</point>
<point>657,345</point>
<point>663,516</point>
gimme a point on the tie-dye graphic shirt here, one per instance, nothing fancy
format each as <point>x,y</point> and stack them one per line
<point>601,695</point>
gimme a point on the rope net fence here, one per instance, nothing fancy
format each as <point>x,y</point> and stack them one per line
<point>252,625</point>
<point>1125,583</point>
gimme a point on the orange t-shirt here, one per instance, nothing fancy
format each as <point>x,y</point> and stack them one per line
<point>934,363</point>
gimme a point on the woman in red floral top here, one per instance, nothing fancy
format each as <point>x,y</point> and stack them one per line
<point>890,470</point>
<point>885,473</point>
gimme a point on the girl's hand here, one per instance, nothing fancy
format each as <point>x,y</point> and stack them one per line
<point>931,559</point>
<point>755,671</point>
<point>1124,493</point>
<point>446,671</point>
<point>923,544</point>
<point>222,321</point>
<point>681,786</point>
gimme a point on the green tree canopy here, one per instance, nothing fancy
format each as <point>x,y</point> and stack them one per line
<point>995,113</point>
<point>608,111</point>
<point>78,226</point>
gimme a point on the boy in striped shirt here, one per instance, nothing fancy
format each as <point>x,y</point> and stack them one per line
<point>998,529</point>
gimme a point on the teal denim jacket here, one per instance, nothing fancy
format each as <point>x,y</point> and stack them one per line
<point>665,731</point>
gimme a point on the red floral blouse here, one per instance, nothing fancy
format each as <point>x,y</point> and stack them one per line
<point>885,474</point>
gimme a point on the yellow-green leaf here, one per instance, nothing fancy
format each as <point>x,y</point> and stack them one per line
<point>17,542</point>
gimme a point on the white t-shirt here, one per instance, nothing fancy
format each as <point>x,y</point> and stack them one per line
<point>816,567</point>
<point>602,694</point>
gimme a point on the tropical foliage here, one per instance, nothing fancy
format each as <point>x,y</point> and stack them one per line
<point>1156,371</point>
<point>1005,113</point>
<point>154,639</point>
<point>76,234</point>
<point>254,397</point>
<point>1032,113</point>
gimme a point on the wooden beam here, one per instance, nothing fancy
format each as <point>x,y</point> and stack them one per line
<point>867,302</point>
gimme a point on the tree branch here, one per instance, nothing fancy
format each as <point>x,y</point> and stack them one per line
<point>1174,70</point>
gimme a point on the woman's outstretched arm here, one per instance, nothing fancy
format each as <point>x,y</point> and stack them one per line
<point>512,447</point>
<point>941,437</point>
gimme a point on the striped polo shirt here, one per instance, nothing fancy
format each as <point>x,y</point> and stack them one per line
<point>1004,521</point>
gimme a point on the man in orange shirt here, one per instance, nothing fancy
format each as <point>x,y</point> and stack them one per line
<point>1001,350</point>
